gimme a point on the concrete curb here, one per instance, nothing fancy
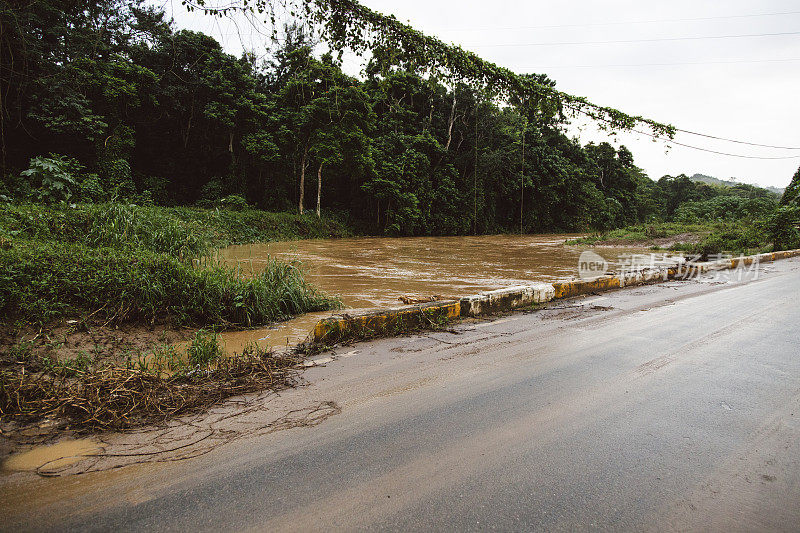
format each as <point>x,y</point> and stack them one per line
<point>382,322</point>
<point>506,299</point>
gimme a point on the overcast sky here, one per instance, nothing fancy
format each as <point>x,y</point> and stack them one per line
<point>744,88</point>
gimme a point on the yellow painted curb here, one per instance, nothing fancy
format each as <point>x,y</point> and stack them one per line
<point>384,322</point>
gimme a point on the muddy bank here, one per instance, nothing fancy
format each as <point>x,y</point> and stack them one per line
<point>74,339</point>
<point>652,243</point>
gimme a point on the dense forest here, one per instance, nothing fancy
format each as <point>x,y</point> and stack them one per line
<point>107,100</point>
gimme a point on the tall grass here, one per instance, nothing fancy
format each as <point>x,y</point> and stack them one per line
<point>120,262</point>
<point>177,231</point>
<point>124,225</point>
<point>45,281</point>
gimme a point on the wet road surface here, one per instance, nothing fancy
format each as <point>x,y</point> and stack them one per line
<point>669,407</point>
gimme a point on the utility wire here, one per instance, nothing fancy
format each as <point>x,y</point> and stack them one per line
<point>714,151</point>
<point>672,141</point>
<point>720,62</point>
<point>737,142</point>
<point>657,21</point>
<point>657,39</point>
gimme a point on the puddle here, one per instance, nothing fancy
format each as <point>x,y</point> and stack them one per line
<point>52,457</point>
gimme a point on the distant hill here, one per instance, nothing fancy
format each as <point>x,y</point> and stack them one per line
<point>730,183</point>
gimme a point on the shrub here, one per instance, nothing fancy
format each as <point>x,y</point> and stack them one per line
<point>782,227</point>
<point>91,189</point>
<point>234,202</point>
<point>212,192</point>
<point>735,239</point>
<point>158,187</point>
<point>52,178</point>
<point>124,225</point>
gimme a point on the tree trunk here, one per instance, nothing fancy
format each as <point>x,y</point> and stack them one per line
<point>3,112</point>
<point>475,179</point>
<point>319,188</point>
<point>450,123</point>
<point>188,125</point>
<point>522,178</point>
<point>303,179</point>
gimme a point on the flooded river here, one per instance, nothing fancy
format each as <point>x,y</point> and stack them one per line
<point>371,272</point>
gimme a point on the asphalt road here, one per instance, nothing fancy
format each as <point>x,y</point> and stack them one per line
<point>670,407</point>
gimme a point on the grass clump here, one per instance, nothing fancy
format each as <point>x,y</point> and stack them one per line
<point>120,264</point>
<point>703,240</point>
<point>204,349</point>
<point>729,238</point>
<point>644,233</point>
<point>41,282</point>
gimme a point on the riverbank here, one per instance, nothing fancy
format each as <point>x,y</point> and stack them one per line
<point>702,239</point>
<point>121,263</point>
<point>386,272</point>
<point>93,296</point>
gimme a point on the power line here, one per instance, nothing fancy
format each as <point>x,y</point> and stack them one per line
<point>672,141</point>
<point>657,39</point>
<point>615,23</point>
<point>714,151</point>
<point>737,142</point>
<point>719,62</point>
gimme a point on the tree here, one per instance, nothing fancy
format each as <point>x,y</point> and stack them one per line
<point>791,196</point>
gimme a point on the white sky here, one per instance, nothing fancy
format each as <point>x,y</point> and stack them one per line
<point>741,88</point>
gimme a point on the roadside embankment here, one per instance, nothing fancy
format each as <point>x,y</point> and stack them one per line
<point>118,263</point>
<point>386,322</point>
<point>93,295</point>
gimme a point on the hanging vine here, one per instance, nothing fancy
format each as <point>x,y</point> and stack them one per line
<point>348,25</point>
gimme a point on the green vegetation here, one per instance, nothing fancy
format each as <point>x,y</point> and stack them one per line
<point>348,25</point>
<point>708,219</point>
<point>700,239</point>
<point>176,231</point>
<point>710,180</point>
<point>139,111</point>
<point>42,282</point>
<point>122,262</point>
<point>638,234</point>
<point>204,349</point>
<point>730,238</point>
<point>792,194</point>
<point>783,227</point>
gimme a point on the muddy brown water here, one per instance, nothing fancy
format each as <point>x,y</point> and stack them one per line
<point>52,457</point>
<point>369,272</point>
